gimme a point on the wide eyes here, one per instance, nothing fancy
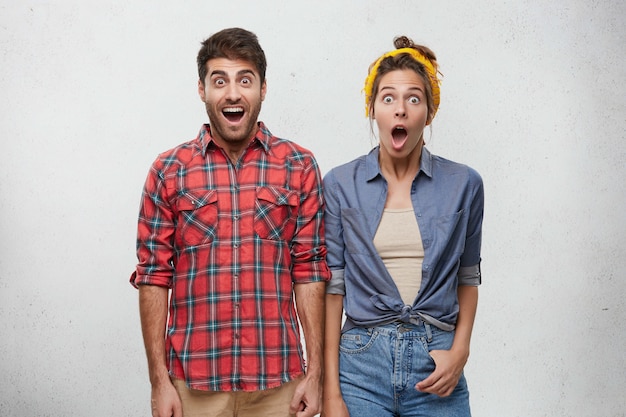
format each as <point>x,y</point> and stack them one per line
<point>244,81</point>
<point>388,99</point>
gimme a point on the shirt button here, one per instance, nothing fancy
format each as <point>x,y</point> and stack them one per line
<point>236,217</point>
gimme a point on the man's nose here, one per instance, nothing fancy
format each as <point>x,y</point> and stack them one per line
<point>232,92</point>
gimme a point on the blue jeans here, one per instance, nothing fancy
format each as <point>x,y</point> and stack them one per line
<point>379,367</point>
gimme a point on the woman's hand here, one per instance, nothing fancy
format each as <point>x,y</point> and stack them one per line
<point>448,369</point>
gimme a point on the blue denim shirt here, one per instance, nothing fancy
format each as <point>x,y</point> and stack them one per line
<point>448,202</point>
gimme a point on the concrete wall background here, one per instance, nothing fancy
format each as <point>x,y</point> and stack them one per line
<point>533,97</point>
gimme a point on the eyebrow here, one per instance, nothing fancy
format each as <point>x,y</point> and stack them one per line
<point>239,73</point>
<point>393,88</point>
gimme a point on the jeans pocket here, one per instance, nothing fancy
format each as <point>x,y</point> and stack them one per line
<point>439,340</point>
<point>357,340</point>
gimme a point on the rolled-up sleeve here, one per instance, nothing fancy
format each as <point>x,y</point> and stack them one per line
<point>334,236</point>
<point>155,234</point>
<point>469,272</point>
<point>308,250</point>
<point>336,285</point>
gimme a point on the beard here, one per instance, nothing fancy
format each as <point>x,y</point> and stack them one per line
<point>237,135</point>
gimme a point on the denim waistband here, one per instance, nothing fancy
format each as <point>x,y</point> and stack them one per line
<point>401,329</point>
<point>420,320</point>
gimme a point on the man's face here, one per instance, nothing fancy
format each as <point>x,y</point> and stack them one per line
<point>232,93</point>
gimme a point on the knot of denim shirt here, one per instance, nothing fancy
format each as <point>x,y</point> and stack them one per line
<point>406,314</point>
<point>387,303</point>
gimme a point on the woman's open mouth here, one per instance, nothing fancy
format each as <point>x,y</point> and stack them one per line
<point>399,136</point>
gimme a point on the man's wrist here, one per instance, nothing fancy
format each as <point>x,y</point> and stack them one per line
<point>314,372</point>
<point>159,378</point>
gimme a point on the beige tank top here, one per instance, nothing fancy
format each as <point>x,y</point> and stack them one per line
<point>399,244</point>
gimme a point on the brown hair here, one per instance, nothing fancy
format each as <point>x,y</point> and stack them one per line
<point>233,43</point>
<point>406,61</point>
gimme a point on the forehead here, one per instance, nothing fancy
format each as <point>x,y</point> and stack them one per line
<point>401,79</point>
<point>230,67</point>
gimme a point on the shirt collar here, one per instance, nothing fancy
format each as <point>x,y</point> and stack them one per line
<point>426,162</point>
<point>263,137</point>
<point>373,167</point>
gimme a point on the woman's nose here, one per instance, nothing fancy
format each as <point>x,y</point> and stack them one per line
<point>400,111</point>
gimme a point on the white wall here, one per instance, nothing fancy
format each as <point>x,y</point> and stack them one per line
<point>533,97</point>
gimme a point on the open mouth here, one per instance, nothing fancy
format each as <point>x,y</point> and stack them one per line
<point>233,114</point>
<point>398,136</point>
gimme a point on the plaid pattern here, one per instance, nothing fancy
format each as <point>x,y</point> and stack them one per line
<point>230,241</point>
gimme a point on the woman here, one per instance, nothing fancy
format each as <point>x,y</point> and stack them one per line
<point>403,230</point>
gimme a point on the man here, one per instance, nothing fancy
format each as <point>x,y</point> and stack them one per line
<point>231,223</point>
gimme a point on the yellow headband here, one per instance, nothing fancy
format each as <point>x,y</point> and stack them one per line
<point>430,69</point>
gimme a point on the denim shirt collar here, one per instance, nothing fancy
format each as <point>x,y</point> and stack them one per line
<point>373,167</point>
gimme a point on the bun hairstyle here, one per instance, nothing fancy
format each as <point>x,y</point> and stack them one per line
<point>407,55</point>
<point>401,42</point>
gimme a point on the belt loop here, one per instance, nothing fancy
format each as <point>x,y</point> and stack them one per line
<point>429,333</point>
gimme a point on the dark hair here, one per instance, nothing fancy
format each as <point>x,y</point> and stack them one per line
<point>406,61</point>
<point>233,43</point>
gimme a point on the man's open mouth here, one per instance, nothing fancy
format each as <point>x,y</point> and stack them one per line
<point>233,114</point>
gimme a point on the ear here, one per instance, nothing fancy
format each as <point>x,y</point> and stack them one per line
<point>201,90</point>
<point>263,89</point>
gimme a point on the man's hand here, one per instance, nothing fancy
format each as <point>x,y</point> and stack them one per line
<point>165,401</point>
<point>448,368</point>
<point>307,399</point>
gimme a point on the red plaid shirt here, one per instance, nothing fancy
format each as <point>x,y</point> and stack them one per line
<point>230,241</point>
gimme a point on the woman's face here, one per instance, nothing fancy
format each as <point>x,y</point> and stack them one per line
<point>401,112</point>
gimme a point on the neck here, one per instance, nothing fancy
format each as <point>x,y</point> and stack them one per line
<point>401,168</point>
<point>234,154</point>
<point>233,148</point>
<point>232,151</point>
